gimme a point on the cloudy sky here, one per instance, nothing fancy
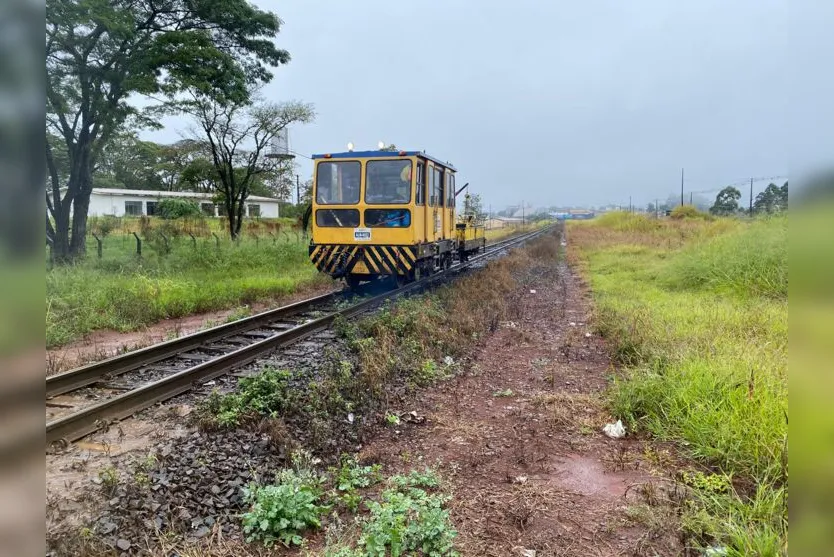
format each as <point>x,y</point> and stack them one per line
<point>554,102</point>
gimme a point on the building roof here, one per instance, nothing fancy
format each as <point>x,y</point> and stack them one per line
<point>385,154</point>
<point>183,194</point>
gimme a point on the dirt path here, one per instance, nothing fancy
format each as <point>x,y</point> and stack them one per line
<point>520,439</point>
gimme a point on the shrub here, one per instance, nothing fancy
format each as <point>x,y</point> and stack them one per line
<point>177,208</point>
<point>282,511</point>
<point>104,225</point>
<point>687,212</point>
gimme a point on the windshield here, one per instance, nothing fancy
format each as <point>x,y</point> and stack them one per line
<point>388,182</point>
<point>337,183</point>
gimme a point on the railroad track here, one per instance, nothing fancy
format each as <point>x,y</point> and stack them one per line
<point>85,399</point>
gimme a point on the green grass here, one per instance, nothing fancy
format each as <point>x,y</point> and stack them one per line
<point>702,328</point>
<point>122,292</point>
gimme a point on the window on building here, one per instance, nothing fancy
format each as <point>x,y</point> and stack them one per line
<point>337,183</point>
<point>420,197</point>
<point>208,209</point>
<point>133,208</point>
<point>150,209</point>
<point>254,210</point>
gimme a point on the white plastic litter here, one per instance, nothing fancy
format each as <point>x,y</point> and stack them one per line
<point>587,335</point>
<point>350,418</point>
<point>715,551</point>
<point>448,360</point>
<point>528,553</point>
<point>532,291</point>
<point>615,431</point>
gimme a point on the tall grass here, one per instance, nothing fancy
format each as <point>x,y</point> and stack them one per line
<point>124,293</point>
<point>752,262</point>
<point>702,329</point>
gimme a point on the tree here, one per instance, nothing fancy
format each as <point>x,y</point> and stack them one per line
<point>100,53</point>
<point>473,205</point>
<point>236,135</point>
<point>726,202</point>
<point>772,200</point>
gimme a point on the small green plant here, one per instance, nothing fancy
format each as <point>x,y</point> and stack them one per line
<point>282,511</point>
<point>392,419</point>
<point>407,519</point>
<point>109,476</point>
<point>415,478</point>
<point>504,393</point>
<point>238,313</point>
<point>352,475</point>
<point>714,483</point>
<point>264,394</point>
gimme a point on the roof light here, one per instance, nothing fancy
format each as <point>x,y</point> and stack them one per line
<point>350,146</point>
<point>402,153</point>
<point>381,145</point>
<point>327,156</point>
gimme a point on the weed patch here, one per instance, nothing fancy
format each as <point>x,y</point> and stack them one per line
<point>696,309</point>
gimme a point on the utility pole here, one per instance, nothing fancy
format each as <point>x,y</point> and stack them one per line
<point>690,198</point>
<point>656,209</point>
<point>297,190</point>
<point>751,197</point>
<point>681,186</point>
<point>522,214</point>
<point>630,209</point>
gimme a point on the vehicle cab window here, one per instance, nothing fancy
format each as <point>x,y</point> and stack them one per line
<point>337,182</point>
<point>388,182</point>
<point>420,195</point>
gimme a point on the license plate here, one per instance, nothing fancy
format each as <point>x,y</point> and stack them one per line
<point>361,234</point>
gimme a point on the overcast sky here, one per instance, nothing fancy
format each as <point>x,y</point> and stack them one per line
<point>554,102</point>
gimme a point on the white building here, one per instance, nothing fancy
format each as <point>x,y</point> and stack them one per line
<point>107,201</point>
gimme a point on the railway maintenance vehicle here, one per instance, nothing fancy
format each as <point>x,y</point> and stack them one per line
<point>387,214</point>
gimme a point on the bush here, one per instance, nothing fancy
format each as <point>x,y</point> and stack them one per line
<point>177,208</point>
<point>284,510</point>
<point>688,212</point>
<point>104,225</point>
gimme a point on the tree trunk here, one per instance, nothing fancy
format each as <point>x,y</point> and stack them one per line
<point>230,210</point>
<point>61,244</point>
<point>78,242</point>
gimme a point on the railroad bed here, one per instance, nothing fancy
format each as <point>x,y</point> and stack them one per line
<point>88,398</point>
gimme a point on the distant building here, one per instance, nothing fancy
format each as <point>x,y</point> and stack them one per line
<point>119,202</point>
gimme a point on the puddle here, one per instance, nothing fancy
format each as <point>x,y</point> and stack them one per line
<point>587,476</point>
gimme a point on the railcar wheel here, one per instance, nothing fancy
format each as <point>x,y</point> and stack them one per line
<point>352,281</point>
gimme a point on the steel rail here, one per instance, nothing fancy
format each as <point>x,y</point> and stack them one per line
<point>76,425</point>
<point>77,378</point>
<point>83,376</point>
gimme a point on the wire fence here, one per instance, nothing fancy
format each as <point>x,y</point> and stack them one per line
<point>117,238</point>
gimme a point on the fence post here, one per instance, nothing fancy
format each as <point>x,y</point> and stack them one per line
<point>138,244</point>
<point>165,241</point>
<point>193,240</point>
<point>216,240</point>
<point>98,242</point>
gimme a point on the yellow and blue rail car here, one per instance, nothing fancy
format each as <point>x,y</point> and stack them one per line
<point>385,213</point>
